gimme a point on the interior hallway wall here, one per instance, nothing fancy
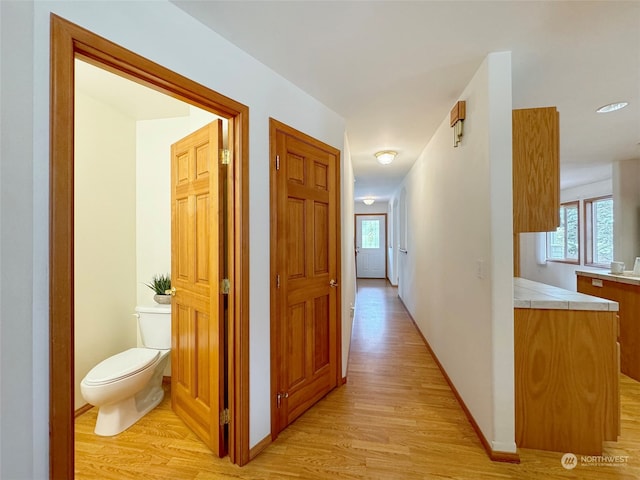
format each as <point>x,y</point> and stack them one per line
<point>456,277</point>
<point>348,257</point>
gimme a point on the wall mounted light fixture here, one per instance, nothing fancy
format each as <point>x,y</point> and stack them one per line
<point>385,157</point>
<point>457,119</point>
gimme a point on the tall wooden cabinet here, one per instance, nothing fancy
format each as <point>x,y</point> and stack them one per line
<point>536,169</point>
<point>536,173</point>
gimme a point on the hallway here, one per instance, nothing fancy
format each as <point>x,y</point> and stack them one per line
<point>396,418</point>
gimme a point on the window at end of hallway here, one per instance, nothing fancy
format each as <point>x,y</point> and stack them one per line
<point>371,234</point>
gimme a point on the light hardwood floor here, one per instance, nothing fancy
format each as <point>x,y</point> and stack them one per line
<point>396,418</point>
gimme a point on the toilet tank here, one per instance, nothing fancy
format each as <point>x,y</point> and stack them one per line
<point>155,326</point>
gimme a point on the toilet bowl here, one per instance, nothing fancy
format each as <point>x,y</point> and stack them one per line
<point>128,385</point>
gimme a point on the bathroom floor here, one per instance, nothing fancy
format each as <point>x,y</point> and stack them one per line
<point>157,446</point>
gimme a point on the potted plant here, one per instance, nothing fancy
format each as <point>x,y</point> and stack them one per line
<point>160,284</point>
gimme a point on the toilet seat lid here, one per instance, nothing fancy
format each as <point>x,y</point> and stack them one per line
<point>121,365</point>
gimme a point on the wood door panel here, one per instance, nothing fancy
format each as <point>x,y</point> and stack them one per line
<point>296,334</point>
<point>295,169</point>
<point>181,250</point>
<point>202,242</point>
<point>182,176</point>
<point>321,333</point>
<point>321,176</point>
<point>182,368</point>
<point>295,238</point>
<point>203,161</point>
<point>321,238</point>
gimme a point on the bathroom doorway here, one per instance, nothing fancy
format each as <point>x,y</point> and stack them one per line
<point>70,42</point>
<point>124,143</point>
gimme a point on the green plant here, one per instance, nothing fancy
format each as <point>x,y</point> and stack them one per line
<point>160,284</point>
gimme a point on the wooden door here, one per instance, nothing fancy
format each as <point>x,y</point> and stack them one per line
<point>371,246</point>
<point>197,356</point>
<point>305,323</point>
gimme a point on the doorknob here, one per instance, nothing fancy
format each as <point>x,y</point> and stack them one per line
<point>333,283</point>
<point>171,291</point>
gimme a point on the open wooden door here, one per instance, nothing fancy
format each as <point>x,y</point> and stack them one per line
<point>305,262</point>
<point>197,356</point>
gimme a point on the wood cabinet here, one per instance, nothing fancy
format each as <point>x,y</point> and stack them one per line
<point>628,298</point>
<point>536,169</point>
<point>566,380</point>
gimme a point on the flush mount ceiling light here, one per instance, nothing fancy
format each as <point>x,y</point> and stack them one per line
<point>368,201</point>
<point>386,156</point>
<point>612,107</point>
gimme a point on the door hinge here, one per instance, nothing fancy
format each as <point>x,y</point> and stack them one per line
<point>277,162</point>
<point>225,417</point>
<point>225,156</point>
<point>225,286</point>
<point>277,281</point>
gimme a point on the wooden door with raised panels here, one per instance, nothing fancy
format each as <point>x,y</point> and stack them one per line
<point>305,324</point>
<point>197,356</point>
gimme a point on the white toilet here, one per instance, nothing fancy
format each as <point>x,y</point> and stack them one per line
<point>128,385</point>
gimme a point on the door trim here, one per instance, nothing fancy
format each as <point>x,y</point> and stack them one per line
<point>69,41</point>
<point>386,237</point>
<point>274,127</point>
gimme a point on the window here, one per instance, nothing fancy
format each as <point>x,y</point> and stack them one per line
<point>563,245</point>
<point>370,233</point>
<point>598,214</point>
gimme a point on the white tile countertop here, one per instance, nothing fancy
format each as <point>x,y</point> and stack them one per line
<point>530,294</point>
<point>626,277</point>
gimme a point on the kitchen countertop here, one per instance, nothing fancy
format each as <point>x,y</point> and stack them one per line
<point>626,277</point>
<point>530,294</point>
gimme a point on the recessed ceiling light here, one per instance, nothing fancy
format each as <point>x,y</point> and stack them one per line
<point>386,156</point>
<point>612,107</point>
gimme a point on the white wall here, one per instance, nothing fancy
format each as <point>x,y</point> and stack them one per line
<point>23,268</point>
<point>153,193</point>
<point>105,235</point>
<point>377,207</point>
<point>555,273</point>
<point>626,211</point>
<point>456,279</point>
<point>191,50</point>
<point>348,258</point>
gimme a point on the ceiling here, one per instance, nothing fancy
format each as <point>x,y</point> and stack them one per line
<point>394,69</point>
<point>128,97</point>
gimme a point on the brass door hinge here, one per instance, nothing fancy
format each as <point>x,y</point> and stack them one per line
<point>225,418</point>
<point>277,162</point>
<point>225,286</point>
<point>225,156</point>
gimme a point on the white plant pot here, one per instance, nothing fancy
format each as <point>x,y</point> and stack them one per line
<point>162,299</point>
